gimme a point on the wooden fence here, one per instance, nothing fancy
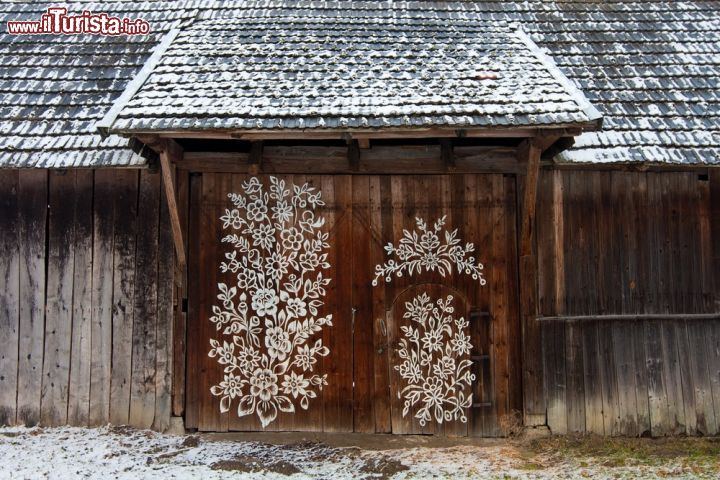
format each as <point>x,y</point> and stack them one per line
<point>629,286</point>
<point>85,298</point>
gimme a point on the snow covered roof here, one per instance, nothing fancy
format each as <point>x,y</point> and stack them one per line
<point>650,67</point>
<point>341,68</point>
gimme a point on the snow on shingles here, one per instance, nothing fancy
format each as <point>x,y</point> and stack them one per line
<point>646,65</point>
<point>53,88</point>
<point>262,67</point>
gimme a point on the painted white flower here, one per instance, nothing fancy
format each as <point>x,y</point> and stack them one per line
<point>264,302</point>
<point>432,340</point>
<point>296,307</point>
<point>265,263</point>
<point>292,239</point>
<point>431,349</point>
<point>461,343</point>
<point>278,343</point>
<point>411,371</point>
<point>309,261</point>
<point>248,358</point>
<point>282,212</point>
<point>231,386</point>
<point>232,218</point>
<point>295,385</point>
<point>264,237</point>
<point>263,384</point>
<point>276,265</point>
<point>304,358</point>
<point>256,210</point>
<point>429,241</point>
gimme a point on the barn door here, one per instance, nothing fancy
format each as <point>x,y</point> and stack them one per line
<point>444,277</point>
<point>270,333</point>
<point>352,303</point>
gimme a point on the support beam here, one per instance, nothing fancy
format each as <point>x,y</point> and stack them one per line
<point>353,155</point>
<point>533,395</point>
<point>255,157</point>
<point>447,154</point>
<point>169,151</point>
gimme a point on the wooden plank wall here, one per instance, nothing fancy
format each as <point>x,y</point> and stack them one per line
<point>85,298</point>
<point>619,242</point>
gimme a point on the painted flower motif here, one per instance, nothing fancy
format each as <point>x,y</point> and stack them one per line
<point>256,210</point>
<point>410,371</point>
<point>278,343</point>
<point>263,384</point>
<point>432,340</point>
<point>276,265</point>
<point>304,358</point>
<point>264,237</point>
<point>295,385</point>
<point>231,386</point>
<point>432,349</point>
<point>248,358</point>
<point>430,261</point>
<point>291,239</point>
<point>461,343</point>
<point>282,212</point>
<point>232,218</point>
<point>269,343</point>
<point>429,241</point>
<point>309,261</point>
<point>296,308</point>
<point>264,302</point>
<point>422,250</point>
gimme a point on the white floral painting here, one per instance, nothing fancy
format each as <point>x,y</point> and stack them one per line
<point>432,364</point>
<point>267,319</point>
<point>437,378</point>
<point>429,249</point>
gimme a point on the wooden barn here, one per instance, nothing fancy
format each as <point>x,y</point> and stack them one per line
<point>397,217</point>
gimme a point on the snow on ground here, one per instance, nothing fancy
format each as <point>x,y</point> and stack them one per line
<point>123,453</point>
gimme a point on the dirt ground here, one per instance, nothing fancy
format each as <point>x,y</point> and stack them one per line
<point>121,452</point>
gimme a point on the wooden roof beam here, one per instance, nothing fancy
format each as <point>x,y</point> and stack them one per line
<point>170,152</point>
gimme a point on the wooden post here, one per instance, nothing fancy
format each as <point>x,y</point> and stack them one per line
<point>169,151</point>
<point>255,157</point>
<point>353,155</point>
<point>529,152</point>
<point>447,154</point>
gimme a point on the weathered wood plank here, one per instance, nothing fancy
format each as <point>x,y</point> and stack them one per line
<point>381,374</point>
<point>575,403</point>
<point>195,305</point>
<point>145,304</point>
<point>362,292</point>
<point>9,296</point>
<point>59,306</point>
<point>179,338</point>
<point>125,200</point>
<point>102,295</point>
<point>80,345</point>
<point>554,338</point>
<point>169,384</point>
<point>32,202</point>
<point>594,422</point>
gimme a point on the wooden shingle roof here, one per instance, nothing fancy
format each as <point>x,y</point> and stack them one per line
<point>650,67</point>
<point>351,68</point>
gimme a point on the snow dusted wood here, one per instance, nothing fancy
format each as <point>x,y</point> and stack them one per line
<point>81,342</point>
<point>126,208</point>
<point>32,200</point>
<point>9,307</point>
<point>102,296</point>
<point>108,313</point>
<point>145,304</point>
<point>58,310</point>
